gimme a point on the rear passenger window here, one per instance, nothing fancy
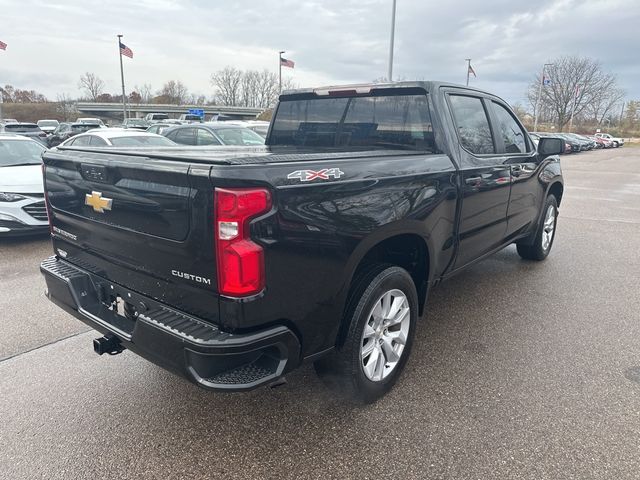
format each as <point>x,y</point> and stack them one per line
<point>80,141</point>
<point>512,135</point>
<point>472,124</point>
<point>97,141</point>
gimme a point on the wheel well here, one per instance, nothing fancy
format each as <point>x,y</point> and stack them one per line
<point>556,190</point>
<point>408,251</point>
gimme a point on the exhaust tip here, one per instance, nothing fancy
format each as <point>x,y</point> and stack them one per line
<point>107,344</point>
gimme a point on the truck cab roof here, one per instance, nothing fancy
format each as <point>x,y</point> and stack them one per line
<point>367,88</point>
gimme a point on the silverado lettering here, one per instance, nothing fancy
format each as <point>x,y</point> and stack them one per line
<point>297,261</point>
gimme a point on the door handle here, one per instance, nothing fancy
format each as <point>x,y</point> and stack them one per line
<point>516,170</point>
<point>472,180</point>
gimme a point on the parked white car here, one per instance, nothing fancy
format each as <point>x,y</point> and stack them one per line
<point>190,118</point>
<point>156,117</point>
<point>22,207</point>
<point>91,120</point>
<point>48,126</point>
<point>617,142</point>
<point>117,137</point>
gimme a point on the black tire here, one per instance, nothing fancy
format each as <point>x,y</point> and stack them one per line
<point>343,369</point>
<point>616,144</point>
<point>537,250</point>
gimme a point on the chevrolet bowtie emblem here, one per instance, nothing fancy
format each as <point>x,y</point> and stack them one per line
<point>98,203</point>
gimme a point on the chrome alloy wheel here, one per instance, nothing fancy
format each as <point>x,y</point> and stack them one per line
<point>548,227</point>
<point>385,335</point>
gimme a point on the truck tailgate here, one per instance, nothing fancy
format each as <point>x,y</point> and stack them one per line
<point>138,222</point>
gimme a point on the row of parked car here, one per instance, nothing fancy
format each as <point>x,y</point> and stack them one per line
<point>52,133</point>
<point>575,143</point>
<point>22,207</point>
<point>161,135</point>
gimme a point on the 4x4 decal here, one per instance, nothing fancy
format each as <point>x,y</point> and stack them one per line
<point>309,175</point>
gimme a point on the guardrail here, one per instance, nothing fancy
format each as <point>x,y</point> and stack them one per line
<point>96,108</point>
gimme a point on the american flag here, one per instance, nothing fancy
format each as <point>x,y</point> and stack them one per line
<point>286,63</point>
<point>472,71</point>
<point>126,51</point>
<point>3,46</point>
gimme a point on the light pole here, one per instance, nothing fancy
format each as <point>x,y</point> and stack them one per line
<point>124,98</point>
<point>535,121</point>
<point>393,31</point>
<point>280,71</point>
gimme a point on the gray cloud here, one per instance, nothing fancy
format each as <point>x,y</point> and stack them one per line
<point>52,43</point>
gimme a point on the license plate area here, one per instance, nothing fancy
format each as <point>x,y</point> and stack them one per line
<point>118,308</point>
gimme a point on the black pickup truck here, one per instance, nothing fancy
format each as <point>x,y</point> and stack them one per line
<point>232,267</point>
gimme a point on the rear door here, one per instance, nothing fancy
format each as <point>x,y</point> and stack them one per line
<point>485,179</point>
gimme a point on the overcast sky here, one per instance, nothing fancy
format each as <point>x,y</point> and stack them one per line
<point>51,43</point>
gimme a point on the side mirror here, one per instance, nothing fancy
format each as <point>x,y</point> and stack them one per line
<point>550,146</point>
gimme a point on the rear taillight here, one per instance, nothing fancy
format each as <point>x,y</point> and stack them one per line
<point>240,261</point>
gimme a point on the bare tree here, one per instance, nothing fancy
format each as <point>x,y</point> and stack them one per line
<point>520,112</point>
<point>267,88</point>
<point>174,91</point>
<point>576,84</point>
<point>145,91</point>
<point>10,94</point>
<point>250,88</point>
<point>92,85</point>
<point>65,106</point>
<point>631,119</point>
<point>227,83</point>
<point>195,99</point>
<point>604,104</point>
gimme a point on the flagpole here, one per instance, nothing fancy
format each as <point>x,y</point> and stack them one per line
<point>124,98</point>
<point>391,40</point>
<point>280,71</point>
<point>1,97</point>
<point>468,69</point>
<point>535,119</point>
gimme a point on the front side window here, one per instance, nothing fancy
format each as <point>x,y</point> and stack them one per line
<point>185,136</point>
<point>472,124</point>
<point>239,136</point>
<point>394,121</point>
<point>512,135</point>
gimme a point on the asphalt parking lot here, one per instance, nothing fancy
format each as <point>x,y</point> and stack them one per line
<point>520,370</point>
